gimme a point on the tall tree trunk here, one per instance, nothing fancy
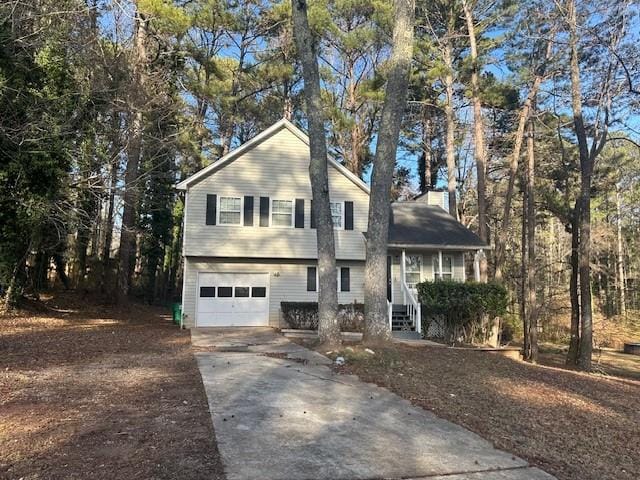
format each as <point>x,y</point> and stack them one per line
<point>135,127</point>
<point>584,218</point>
<point>523,117</point>
<point>426,159</point>
<point>478,135</point>
<point>532,309</point>
<point>524,275</point>
<point>328,328</point>
<point>375,281</point>
<point>620,256</point>
<point>450,146</point>
<point>574,293</point>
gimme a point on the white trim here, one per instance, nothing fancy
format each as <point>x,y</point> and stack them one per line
<point>293,212</point>
<point>219,211</point>
<point>405,265</point>
<point>341,226</point>
<point>283,123</point>
<point>433,246</point>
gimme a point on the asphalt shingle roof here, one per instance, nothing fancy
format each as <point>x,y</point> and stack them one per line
<point>419,224</point>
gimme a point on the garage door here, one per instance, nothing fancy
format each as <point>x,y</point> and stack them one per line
<point>232,299</point>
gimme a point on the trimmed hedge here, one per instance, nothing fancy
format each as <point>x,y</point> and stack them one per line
<point>304,316</point>
<point>466,309</point>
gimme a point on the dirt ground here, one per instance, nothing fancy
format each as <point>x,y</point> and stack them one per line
<point>571,424</point>
<point>90,391</point>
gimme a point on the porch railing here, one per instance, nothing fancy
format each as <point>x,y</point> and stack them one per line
<point>413,307</point>
<point>409,299</point>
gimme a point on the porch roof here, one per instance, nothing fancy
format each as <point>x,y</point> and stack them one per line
<point>419,225</point>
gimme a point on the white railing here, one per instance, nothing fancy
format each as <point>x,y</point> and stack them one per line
<point>390,314</point>
<point>413,307</point>
<point>409,299</point>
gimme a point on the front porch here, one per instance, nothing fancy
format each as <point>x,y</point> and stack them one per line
<point>406,267</point>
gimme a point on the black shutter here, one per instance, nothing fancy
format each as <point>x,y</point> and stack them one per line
<point>299,221</point>
<point>312,219</point>
<point>264,211</point>
<point>248,211</point>
<point>348,215</point>
<point>345,280</point>
<point>211,209</point>
<point>311,279</point>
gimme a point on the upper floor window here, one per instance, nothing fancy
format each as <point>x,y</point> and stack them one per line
<point>444,270</point>
<point>282,213</point>
<point>336,214</point>
<point>230,210</point>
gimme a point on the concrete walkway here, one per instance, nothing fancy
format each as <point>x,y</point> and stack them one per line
<point>276,419</point>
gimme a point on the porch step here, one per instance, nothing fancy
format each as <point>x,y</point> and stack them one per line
<point>406,334</point>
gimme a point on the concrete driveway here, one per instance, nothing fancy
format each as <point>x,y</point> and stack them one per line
<point>276,418</point>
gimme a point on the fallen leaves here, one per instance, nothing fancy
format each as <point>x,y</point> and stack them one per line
<point>574,425</point>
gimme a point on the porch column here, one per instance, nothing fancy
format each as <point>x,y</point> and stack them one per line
<point>439,264</point>
<point>476,264</point>
<point>402,276</point>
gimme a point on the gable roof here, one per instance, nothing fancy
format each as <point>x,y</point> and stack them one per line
<point>261,137</point>
<point>417,224</point>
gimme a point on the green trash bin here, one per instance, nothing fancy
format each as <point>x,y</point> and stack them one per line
<point>177,312</point>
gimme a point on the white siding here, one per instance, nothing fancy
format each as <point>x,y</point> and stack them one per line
<point>277,168</point>
<point>287,283</point>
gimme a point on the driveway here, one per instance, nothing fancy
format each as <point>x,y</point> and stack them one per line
<point>276,418</point>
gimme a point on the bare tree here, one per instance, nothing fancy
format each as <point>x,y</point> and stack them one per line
<point>134,149</point>
<point>447,54</point>
<point>375,285</point>
<point>480,151</point>
<point>328,328</point>
<point>529,254</point>
<point>523,118</point>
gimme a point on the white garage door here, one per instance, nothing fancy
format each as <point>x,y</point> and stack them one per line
<point>233,299</point>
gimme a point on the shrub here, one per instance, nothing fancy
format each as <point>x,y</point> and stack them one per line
<point>466,309</point>
<point>304,316</point>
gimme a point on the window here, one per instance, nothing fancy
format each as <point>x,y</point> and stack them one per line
<point>260,292</point>
<point>336,214</point>
<point>444,271</point>
<point>282,213</point>
<point>225,292</point>
<point>242,292</point>
<point>447,267</point>
<point>230,208</point>
<point>207,292</point>
<point>312,279</point>
<point>412,270</point>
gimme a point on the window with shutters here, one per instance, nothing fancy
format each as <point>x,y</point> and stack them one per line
<point>336,214</point>
<point>343,279</point>
<point>282,213</point>
<point>230,211</point>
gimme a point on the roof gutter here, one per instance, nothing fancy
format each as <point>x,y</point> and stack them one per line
<point>431,246</point>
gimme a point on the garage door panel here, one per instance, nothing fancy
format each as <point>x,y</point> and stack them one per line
<point>233,299</point>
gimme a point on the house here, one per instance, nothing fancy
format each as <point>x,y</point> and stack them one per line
<point>250,239</point>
